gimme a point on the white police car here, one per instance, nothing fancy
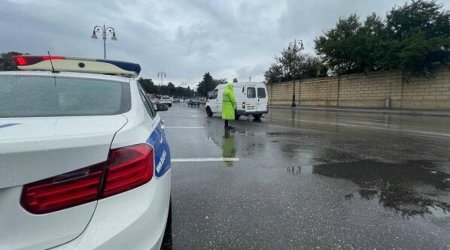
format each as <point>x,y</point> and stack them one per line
<point>84,162</point>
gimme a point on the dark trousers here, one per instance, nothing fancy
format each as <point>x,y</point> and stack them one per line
<point>226,124</point>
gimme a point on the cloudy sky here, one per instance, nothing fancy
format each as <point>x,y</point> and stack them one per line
<point>184,38</point>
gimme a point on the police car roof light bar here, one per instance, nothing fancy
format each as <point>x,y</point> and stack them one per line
<point>81,65</point>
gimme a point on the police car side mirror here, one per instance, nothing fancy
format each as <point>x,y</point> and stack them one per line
<point>161,107</point>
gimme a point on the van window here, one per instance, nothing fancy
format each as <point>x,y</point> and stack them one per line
<point>251,92</point>
<point>261,93</point>
<point>213,95</point>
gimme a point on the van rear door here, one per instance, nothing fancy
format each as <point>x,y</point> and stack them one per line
<point>261,95</point>
<point>251,103</point>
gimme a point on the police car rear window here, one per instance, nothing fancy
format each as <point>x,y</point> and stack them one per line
<point>36,96</point>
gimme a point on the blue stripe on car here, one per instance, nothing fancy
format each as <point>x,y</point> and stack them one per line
<point>162,152</point>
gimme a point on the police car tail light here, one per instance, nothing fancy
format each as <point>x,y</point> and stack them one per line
<point>128,168</point>
<point>30,60</point>
<point>63,191</point>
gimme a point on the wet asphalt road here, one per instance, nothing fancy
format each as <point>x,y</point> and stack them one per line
<point>309,179</point>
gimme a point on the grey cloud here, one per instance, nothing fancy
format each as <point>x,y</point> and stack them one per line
<point>185,38</point>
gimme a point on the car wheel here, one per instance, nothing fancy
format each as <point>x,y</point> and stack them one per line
<point>257,116</point>
<point>209,112</point>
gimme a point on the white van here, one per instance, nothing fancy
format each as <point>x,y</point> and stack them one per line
<point>251,99</point>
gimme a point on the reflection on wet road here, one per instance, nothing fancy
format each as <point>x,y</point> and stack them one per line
<point>411,188</point>
<point>309,179</point>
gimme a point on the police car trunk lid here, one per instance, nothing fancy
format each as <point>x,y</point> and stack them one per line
<point>32,149</point>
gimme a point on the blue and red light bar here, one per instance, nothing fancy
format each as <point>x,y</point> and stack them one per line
<point>73,64</point>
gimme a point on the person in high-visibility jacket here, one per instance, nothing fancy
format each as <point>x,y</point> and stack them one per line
<point>228,105</point>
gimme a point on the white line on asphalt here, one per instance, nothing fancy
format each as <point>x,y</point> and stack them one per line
<point>204,159</point>
<point>423,133</point>
<point>184,116</point>
<point>186,127</point>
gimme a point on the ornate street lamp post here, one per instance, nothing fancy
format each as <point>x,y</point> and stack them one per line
<point>104,31</point>
<point>294,47</point>
<point>161,75</point>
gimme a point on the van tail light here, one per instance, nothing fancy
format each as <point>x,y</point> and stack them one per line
<point>126,168</point>
<point>243,105</point>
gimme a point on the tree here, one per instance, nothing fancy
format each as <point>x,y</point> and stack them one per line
<point>207,84</point>
<point>148,85</point>
<point>414,38</point>
<point>274,73</point>
<point>426,16</point>
<point>171,89</point>
<point>419,37</point>
<point>6,61</point>
<point>292,65</point>
<point>336,47</point>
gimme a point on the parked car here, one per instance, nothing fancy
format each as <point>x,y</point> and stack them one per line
<point>84,159</point>
<point>165,99</point>
<point>193,102</point>
<point>251,99</point>
<point>202,100</point>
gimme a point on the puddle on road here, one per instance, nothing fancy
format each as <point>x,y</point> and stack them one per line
<point>410,189</point>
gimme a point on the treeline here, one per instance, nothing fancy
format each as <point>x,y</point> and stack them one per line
<point>168,89</point>
<point>413,38</point>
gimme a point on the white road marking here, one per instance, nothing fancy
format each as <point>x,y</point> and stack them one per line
<point>186,127</point>
<point>184,116</point>
<point>423,133</point>
<point>204,159</point>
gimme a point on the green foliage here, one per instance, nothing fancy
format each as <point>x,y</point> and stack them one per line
<point>419,37</point>
<point>352,46</point>
<point>207,84</point>
<point>6,61</point>
<point>148,85</point>
<point>274,73</point>
<point>292,65</point>
<point>414,38</point>
<point>168,89</point>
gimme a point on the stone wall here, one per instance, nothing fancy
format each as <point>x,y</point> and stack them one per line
<point>373,90</point>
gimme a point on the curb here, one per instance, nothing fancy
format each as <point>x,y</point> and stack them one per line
<point>416,112</point>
